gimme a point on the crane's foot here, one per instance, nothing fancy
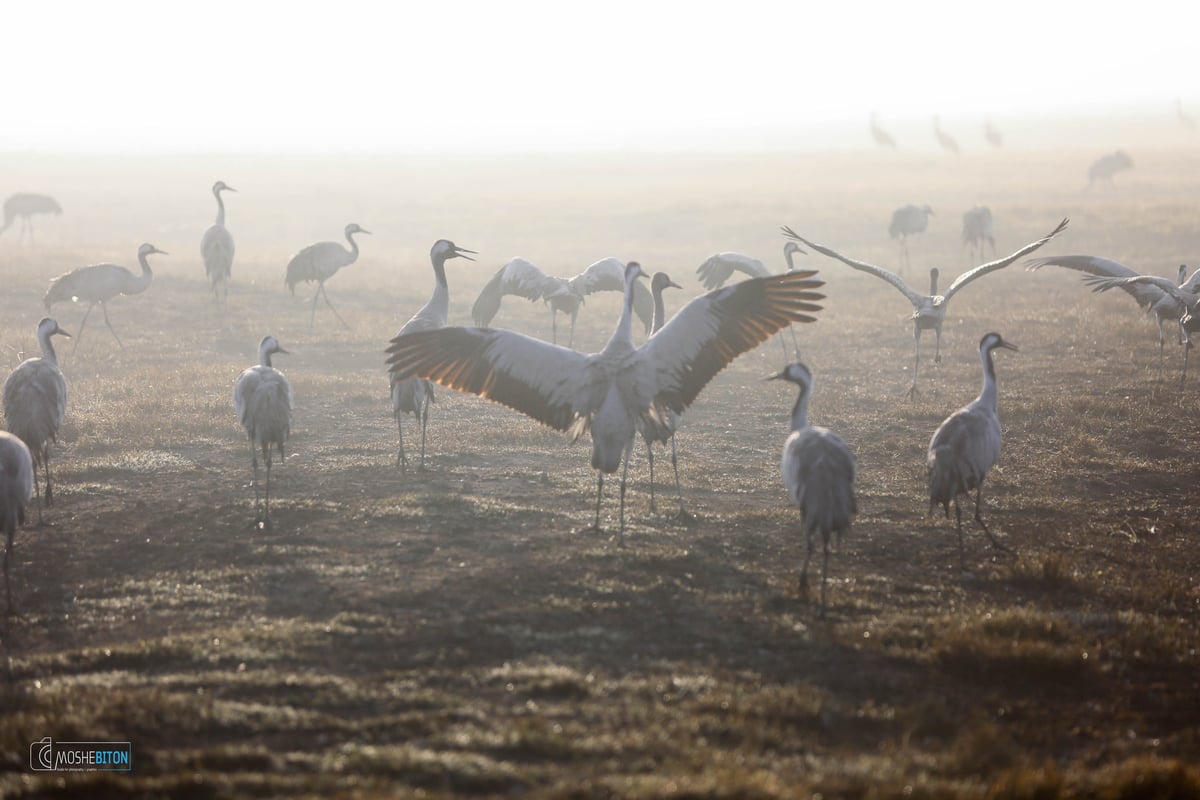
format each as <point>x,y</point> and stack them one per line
<point>683,515</point>
<point>912,391</point>
<point>802,584</point>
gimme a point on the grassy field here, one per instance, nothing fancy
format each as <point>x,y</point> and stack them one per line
<point>456,633</point>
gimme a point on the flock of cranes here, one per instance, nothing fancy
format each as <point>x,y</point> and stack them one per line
<point>624,391</point>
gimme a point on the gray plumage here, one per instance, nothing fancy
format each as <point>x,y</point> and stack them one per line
<point>1104,168</point>
<point>25,205</point>
<point>818,472</point>
<point>216,247</point>
<point>947,142</point>
<point>966,446</point>
<point>319,262</point>
<point>881,136</point>
<point>262,399</point>
<point>99,283</point>
<point>929,311</point>
<point>16,490</point>
<point>977,231</point>
<point>607,393</point>
<point>35,402</point>
<point>413,396</point>
<point>908,221</point>
<point>666,427</point>
<point>719,268</point>
<point>1151,298</point>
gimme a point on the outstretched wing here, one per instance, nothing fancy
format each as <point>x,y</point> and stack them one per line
<point>1145,294</point>
<point>879,272</point>
<point>1189,299</point>
<point>717,269</point>
<point>608,275</point>
<point>542,380</point>
<point>518,277</point>
<point>992,266</point>
<point>715,328</point>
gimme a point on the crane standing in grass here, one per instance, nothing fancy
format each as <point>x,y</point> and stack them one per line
<point>262,399</point>
<point>25,205</point>
<point>908,221</point>
<point>16,490</point>
<point>99,283</point>
<point>966,446</point>
<point>818,472</point>
<point>413,396</point>
<point>929,311</point>
<point>319,262</point>
<point>216,247</point>
<point>35,402</point>
<point>977,231</point>
<point>610,392</point>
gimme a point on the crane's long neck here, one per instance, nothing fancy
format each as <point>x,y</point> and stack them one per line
<point>142,281</point>
<point>264,355</point>
<point>622,337</point>
<point>220,208</point>
<point>439,303</point>
<point>789,253</point>
<point>989,393</point>
<point>800,410</point>
<point>660,311</point>
<point>353,247</point>
<point>48,353</point>
<point>933,280</point>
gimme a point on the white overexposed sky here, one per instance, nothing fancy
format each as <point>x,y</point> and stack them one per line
<point>534,74</point>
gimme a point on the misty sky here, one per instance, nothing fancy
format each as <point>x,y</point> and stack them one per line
<point>527,74</point>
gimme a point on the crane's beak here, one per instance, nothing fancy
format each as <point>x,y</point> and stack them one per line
<point>1009,346</point>
<point>160,252</point>
<point>364,230</point>
<point>61,332</point>
<point>462,251</point>
<point>281,350</point>
<point>672,284</point>
<point>230,188</point>
<point>775,377</point>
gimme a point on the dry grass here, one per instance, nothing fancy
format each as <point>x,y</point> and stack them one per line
<point>452,633</point>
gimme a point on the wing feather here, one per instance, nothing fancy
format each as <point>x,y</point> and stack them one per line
<point>879,272</point>
<point>717,269</point>
<point>992,266</point>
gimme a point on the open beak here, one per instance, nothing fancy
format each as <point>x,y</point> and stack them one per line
<point>461,252</point>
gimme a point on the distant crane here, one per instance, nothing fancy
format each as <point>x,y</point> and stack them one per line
<point>413,396</point>
<point>216,247</point>
<point>818,471</point>
<point>662,430</point>
<point>608,393</point>
<point>262,399</point>
<point>522,278</point>
<point>929,311</point>
<point>992,134</point>
<point>1185,119</point>
<point>99,283</point>
<point>977,230</point>
<point>1186,294</point>
<point>35,402</point>
<point>948,142</point>
<point>881,136</point>
<point>966,446</point>
<point>1104,168</point>
<point>16,490</point>
<point>908,221</point>
<point>1149,296</point>
<point>717,269</point>
<point>319,262</point>
<point>25,205</point>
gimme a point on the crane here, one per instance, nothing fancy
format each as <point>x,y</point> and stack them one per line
<point>565,295</point>
<point>262,399</point>
<point>25,205</point>
<point>35,402</point>
<point>908,221</point>
<point>965,447</point>
<point>881,136</point>
<point>99,283</point>
<point>1150,297</point>
<point>717,269</point>
<point>947,142</point>
<point>929,311</point>
<point>607,393</point>
<point>977,230</point>
<point>319,262</point>
<point>414,395</point>
<point>818,471</point>
<point>1185,294</point>
<point>1104,168</point>
<point>992,134</point>
<point>216,247</point>
<point>16,490</point>
<point>663,430</point>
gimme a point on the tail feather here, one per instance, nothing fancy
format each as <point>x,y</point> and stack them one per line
<point>945,481</point>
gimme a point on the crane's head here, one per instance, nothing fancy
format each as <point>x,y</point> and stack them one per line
<point>149,249</point>
<point>991,341</point>
<point>797,373</point>
<point>928,211</point>
<point>662,280</point>
<point>48,327</point>
<point>270,345</point>
<point>221,186</point>
<point>792,247</point>
<point>354,227</point>
<point>633,270</point>
<point>444,248</point>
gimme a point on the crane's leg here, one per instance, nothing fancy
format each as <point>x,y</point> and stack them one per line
<point>312,315</point>
<point>37,493</point>
<point>979,518</point>
<point>808,551</point>
<point>266,520</point>
<point>104,308</point>
<point>49,486</point>
<point>79,336</point>
<point>331,308</point>
<point>962,561</point>
<point>1162,340</point>
<point>912,390</point>
<point>8,548</point>
<point>937,347</point>
<point>424,425</point>
<point>599,493</point>
<point>824,569</point>
<point>257,497</point>
<point>1187,346</point>
<point>650,460</point>
<point>624,481</point>
<point>795,343</point>
<point>571,338</point>
<point>401,459</point>
<point>675,466</point>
